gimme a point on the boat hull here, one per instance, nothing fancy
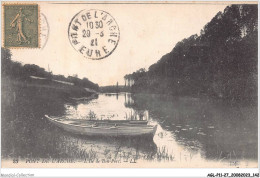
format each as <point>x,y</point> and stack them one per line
<point>105,130</point>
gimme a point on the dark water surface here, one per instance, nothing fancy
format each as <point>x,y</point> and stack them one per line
<point>191,131</point>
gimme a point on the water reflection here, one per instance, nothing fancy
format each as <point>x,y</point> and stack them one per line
<point>189,128</point>
<point>219,131</point>
<point>107,106</point>
<point>191,132</point>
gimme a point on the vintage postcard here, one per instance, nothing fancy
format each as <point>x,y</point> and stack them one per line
<point>129,84</point>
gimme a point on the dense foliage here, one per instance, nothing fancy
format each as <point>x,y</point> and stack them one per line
<point>220,62</point>
<point>16,70</point>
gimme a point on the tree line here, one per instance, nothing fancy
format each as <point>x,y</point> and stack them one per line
<point>220,62</point>
<point>15,70</point>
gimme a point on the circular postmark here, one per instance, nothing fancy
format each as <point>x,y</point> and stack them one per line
<point>44,34</point>
<point>94,33</point>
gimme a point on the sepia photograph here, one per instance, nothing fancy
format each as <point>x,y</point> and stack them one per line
<point>129,85</point>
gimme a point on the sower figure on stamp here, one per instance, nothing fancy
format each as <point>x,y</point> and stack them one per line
<point>18,22</point>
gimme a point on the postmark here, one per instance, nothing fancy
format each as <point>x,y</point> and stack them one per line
<point>44,34</point>
<point>94,33</point>
<point>21,25</point>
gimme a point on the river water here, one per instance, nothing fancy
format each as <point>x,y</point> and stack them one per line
<point>191,132</point>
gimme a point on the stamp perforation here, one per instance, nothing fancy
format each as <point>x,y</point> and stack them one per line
<point>38,26</point>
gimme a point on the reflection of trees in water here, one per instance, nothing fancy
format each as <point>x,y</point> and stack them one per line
<point>214,128</point>
<point>112,94</point>
<point>129,102</point>
<point>137,114</point>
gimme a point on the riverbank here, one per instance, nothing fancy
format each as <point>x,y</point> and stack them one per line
<point>43,86</point>
<point>39,94</point>
<point>251,101</point>
<point>24,104</point>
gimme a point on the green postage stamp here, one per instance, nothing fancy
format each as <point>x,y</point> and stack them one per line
<point>21,25</point>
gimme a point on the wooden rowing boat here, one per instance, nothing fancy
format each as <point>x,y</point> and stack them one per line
<point>101,122</point>
<point>103,128</point>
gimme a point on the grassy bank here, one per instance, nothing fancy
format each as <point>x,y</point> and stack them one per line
<point>25,131</point>
<point>46,86</point>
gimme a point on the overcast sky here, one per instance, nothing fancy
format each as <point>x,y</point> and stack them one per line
<point>147,32</point>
